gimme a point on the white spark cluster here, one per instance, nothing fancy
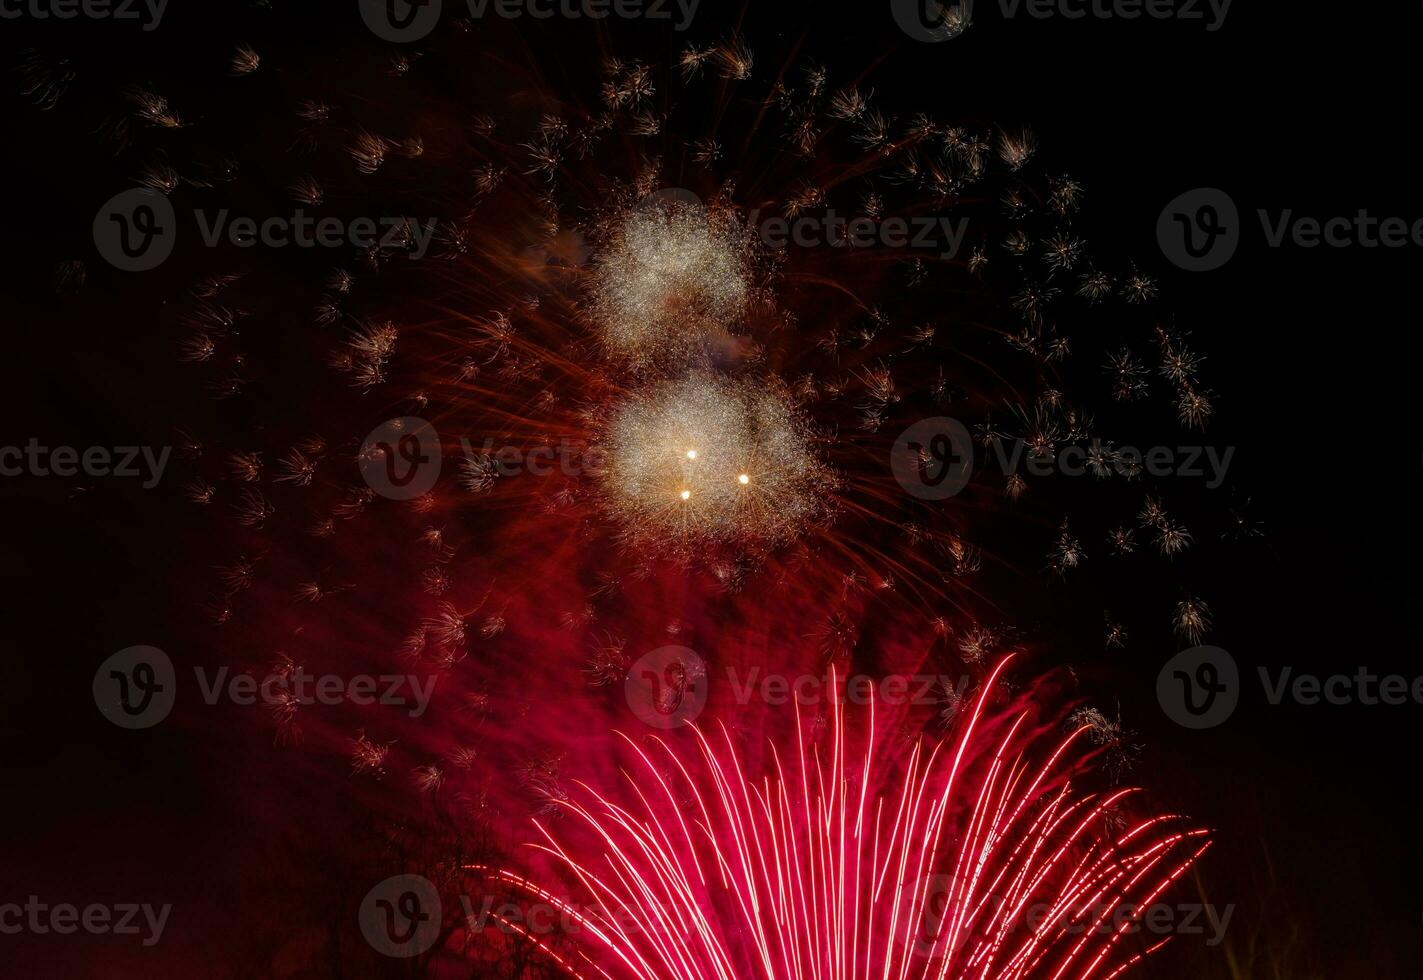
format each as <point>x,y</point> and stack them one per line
<point>708,459</point>
<point>672,279</point>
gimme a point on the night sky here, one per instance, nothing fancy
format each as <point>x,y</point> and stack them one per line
<point>1312,353</point>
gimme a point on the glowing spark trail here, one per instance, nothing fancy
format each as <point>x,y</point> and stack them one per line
<point>964,865</point>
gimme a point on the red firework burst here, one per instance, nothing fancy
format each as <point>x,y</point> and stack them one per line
<point>954,862</point>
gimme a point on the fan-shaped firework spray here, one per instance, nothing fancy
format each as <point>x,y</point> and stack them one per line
<point>961,860</point>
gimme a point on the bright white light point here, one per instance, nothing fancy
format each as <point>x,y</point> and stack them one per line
<point>686,495</point>
<point>691,454</point>
<point>743,479</point>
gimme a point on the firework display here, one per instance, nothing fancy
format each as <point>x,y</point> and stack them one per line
<point>728,408</point>
<point>700,493</point>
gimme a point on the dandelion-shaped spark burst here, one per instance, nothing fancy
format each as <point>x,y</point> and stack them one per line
<point>960,863</point>
<point>671,281</point>
<point>709,459</point>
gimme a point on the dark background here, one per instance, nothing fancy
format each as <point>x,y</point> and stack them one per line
<point>1314,354</point>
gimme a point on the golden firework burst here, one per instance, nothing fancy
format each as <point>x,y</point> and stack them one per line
<point>671,283</point>
<point>710,459</point>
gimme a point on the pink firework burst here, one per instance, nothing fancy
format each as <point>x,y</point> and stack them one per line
<point>965,858</point>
